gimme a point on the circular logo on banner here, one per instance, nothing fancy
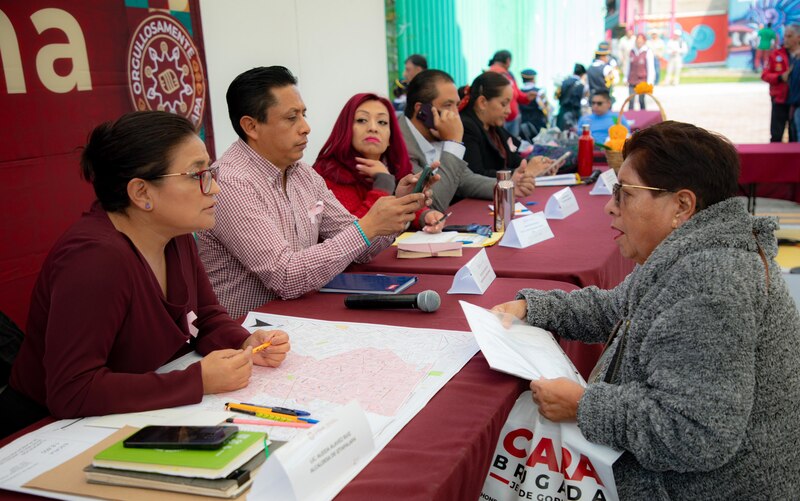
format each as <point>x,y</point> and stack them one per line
<point>164,70</point>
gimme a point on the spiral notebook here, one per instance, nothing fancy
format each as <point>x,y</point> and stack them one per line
<point>358,283</point>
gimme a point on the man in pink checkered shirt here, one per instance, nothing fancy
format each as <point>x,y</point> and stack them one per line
<point>280,232</point>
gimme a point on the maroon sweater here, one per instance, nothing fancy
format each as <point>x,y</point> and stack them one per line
<point>99,325</point>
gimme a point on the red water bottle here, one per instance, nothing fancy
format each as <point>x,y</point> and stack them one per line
<point>585,152</point>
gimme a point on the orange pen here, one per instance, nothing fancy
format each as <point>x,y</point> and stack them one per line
<point>262,347</point>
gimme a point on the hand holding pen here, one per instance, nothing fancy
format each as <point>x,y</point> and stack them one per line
<point>434,221</point>
<point>269,347</point>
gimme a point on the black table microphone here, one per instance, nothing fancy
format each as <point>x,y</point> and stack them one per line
<point>427,301</point>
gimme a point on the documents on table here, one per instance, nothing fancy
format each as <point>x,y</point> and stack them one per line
<point>561,204</point>
<point>441,249</point>
<point>519,209</point>
<point>474,277</point>
<point>558,180</point>
<point>525,231</point>
<point>466,239</point>
<point>521,349</point>
<point>605,183</point>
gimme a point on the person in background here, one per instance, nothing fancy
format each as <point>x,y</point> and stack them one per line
<point>570,95</point>
<point>433,133</point>
<point>767,41</point>
<point>601,117</point>
<point>641,68</point>
<point>365,159</point>
<point>626,44</point>
<point>123,291</point>
<point>489,147</point>
<point>601,74</point>
<point>500,63</point>
<point>793,96</point>
<point>777,73</point>
<point>657,46</point>
<point>676,50</point>
<point>414,64</point>
<point>700,379</point>
<point>280,232</point>
<point>536,112</point>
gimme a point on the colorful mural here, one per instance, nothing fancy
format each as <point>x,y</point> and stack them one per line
<point>746,17</point>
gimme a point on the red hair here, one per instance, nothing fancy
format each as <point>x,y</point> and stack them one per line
<point>337,158</point>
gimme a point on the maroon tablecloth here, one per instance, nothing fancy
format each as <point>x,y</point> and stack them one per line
<point>770,170</point>
<point>642,118</point>
<point>445,451</point>
<point>583,251</point>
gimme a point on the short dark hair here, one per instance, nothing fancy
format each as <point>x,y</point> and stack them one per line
<point>676,155</point>
<point>250,94</point>
<point>422,89</point>
<point>488,84</point>
<point>579,69</point>
<point>418,60</point>
<point>138,145</point>
<point>501,56</point>
<point>602,93</point>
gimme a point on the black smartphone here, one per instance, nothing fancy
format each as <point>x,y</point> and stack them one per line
<point>425,115</point>
<point>181,437</point>
<point>427,172</point>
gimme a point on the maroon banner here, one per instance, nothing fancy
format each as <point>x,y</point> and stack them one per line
<point>67,67</point>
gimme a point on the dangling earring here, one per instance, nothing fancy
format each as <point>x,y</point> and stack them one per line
<point>147,206</point>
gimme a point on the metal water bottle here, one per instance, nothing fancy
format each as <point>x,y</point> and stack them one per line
<point>503,200</point>
<point>585,152</point>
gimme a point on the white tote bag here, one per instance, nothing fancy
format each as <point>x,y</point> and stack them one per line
<point>538,459</point>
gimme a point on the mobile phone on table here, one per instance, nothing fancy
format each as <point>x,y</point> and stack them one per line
<point>427,172</point>
<point>181,437</point>
<point>425,115</point>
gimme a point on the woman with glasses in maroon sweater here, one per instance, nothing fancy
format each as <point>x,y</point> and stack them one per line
<point>123,292</point>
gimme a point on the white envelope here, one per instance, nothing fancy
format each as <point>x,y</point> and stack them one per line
<point>561,204</point>
<point>474,277</point>
<point>526,231</point>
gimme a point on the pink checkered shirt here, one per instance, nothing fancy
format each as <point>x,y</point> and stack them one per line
<point>268,243</point>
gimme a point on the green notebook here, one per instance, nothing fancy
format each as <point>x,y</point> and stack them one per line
<point>184,462</point>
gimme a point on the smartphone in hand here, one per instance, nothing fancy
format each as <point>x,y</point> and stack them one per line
<point>427,172</point>
<point>425,115</point>
<point>181,437</point>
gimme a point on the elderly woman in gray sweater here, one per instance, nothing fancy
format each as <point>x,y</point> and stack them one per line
<point>699,384</point>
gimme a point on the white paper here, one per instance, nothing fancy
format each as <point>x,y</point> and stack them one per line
<point>558,180</point>
<point>561,204</point>
<point>519,209</point>
<point>318,463</point>
<point>474,277</point>
<point>175,416</point>
<point>605,183</point>
<point>526,231</point>
<point>521,349</point>
<point>422,237</point>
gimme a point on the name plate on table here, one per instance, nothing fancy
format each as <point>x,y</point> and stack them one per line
<point>474,277</point>
<point>561,204</point>
<point>605,183</point>
<point>317,463</point>
<point>526,231</point>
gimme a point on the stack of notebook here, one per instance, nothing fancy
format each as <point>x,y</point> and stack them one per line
<point>225,472</point>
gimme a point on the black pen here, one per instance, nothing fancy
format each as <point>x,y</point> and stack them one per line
<point>443,218</point>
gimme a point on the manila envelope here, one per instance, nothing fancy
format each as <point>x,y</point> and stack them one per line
<point>442,249</point>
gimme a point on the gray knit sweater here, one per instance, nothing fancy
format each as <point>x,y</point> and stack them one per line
<point>706,399</point>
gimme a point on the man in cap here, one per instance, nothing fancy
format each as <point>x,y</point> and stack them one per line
<point>535,112</point>
<point>601,74</point>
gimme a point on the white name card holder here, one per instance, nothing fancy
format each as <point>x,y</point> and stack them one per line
<point>605,183</point>
<point>474,277</point>
<point>316,464</point>
<point>526,231</point>
<point>561,204</point>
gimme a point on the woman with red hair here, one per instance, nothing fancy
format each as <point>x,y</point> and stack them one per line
<point>365,158</point>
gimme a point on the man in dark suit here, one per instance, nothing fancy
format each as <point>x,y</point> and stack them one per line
<point>443,142</point>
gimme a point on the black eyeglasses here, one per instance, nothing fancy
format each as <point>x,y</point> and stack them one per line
<point>205,176</point>
<point>615,191</point>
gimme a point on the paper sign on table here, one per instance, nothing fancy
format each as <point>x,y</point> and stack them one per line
<point>561,204</point>
<point>526,231</point>
<point>475,276</point>
<point>443,249</point>
<point>319,457</point>
<point>605,183</point>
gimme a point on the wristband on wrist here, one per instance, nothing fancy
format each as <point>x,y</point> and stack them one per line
<point>363,235</point>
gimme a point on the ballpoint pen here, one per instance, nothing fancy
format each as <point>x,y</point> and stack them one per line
<point>280,410</point>
<point>262,347</point>
<point>266,413</point>
<point>288,424</point>
<point>442,219</point>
